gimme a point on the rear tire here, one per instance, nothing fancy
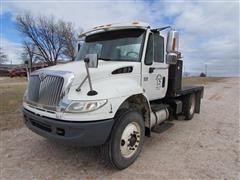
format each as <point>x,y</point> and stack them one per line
<point>126,139</point>
<point>190,106</point>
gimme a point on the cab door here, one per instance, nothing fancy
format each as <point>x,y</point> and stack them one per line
<point>154,68</point>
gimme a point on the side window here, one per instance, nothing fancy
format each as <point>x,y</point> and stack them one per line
<point>90,48</point>
<point>158,48</point>
<point>95,49</point>
<point>149,51</point>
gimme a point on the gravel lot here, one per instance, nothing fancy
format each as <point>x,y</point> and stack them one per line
<point>206,147</point>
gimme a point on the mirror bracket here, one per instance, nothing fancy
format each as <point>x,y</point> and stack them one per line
<point>171,58</point>
<point>91,61</point>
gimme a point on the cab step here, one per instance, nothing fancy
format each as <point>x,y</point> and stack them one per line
<point>162,127</point>
<point>180,118</point>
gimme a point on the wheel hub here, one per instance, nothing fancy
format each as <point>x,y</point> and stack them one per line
<point>130,139</point>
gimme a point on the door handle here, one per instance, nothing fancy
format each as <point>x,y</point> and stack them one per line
<point>151,69</point>
<point>163,82</point>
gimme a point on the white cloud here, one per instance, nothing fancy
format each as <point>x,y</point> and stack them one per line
<point>12,50</point>
<point>209,30</point>
<point>210,34</point>
<point>84,14</point>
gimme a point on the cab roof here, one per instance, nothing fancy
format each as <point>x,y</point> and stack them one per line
<point>116,26</point>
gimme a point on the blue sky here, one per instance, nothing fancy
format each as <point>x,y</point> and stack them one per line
<point>209,30</point>
<point>9,30</point>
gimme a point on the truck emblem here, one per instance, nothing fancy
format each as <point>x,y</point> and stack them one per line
<point>40,106</point>
<point>42,76</point>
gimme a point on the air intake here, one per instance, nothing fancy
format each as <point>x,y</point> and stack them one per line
<point>123,70</point>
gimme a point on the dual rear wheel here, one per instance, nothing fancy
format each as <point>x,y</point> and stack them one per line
<point>190,106</point>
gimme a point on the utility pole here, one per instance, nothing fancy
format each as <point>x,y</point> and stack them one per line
<point>206,69</point>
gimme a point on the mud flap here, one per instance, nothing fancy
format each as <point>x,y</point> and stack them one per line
<point>198,102</point>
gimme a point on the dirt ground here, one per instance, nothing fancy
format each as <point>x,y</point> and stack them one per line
<point>203,148</point>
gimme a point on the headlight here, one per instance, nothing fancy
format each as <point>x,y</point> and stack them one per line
<point>85,106</point>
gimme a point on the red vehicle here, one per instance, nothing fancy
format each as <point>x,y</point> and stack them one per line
<point>18,72</point>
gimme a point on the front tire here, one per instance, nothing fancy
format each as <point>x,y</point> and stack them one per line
<point>126,139</point>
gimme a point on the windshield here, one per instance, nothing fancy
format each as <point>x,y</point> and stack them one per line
<point>120,45</point>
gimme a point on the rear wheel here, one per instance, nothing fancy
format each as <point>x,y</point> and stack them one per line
<point>190,106</point>
<point>126,139</point>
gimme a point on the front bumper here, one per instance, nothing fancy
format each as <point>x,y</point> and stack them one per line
<point>82,133</point>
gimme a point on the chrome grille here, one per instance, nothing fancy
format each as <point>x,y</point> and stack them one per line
<point>45,91</point>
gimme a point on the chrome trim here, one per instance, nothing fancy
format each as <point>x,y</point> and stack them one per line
<point>48,87</point>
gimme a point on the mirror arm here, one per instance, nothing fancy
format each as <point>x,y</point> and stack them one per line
<point>79,87</point>
<point>86,60</point>
<point>91,92</point>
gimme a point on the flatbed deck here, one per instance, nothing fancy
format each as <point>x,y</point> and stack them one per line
<point>190,89</point>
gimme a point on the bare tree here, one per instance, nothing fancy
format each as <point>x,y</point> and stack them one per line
<point>3,56</point>
<point>28,53</point>
<point>47,36</point>
<point>70,40</point>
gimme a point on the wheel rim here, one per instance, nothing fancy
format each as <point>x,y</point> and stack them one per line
<point>192,105</point>
<point>130,139</point>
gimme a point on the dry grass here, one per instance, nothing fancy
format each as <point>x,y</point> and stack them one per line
<point>12,89</point>
<point>11,93</point>
<point>201,80</point>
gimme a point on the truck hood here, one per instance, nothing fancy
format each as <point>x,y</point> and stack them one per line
<point>104,70</point>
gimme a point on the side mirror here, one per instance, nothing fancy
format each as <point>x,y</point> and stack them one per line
<point>91,60</point>
<point>171,58</point>
<point>172,41</point>
<point>78,47</point>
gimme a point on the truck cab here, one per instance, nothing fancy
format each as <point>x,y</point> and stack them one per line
<point>125,81</point>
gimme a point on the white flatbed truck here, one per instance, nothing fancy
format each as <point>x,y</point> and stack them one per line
<point>126,82</point>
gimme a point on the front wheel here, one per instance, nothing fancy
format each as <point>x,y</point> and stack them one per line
<point>126,139</point>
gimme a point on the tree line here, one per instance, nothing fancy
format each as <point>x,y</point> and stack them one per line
<point>46,39</point>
